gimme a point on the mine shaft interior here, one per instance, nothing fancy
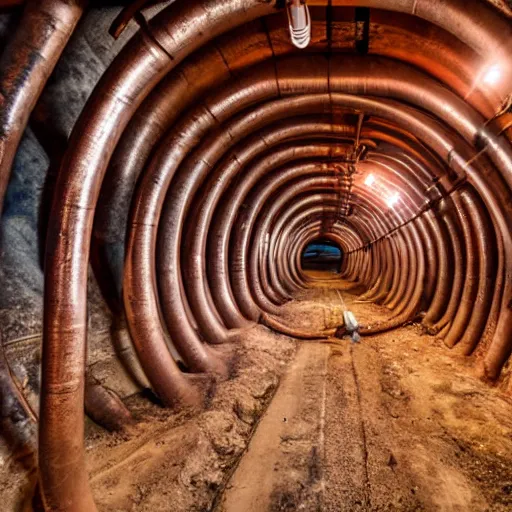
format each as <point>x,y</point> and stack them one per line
<point>256,255</point>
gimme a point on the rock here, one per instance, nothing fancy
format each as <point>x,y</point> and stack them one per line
<point>265,386</point>
<point>224,437</point>
<point>247,409</point>
<point>392,462</point>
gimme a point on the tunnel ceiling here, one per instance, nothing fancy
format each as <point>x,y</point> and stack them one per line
<point>212,151</point>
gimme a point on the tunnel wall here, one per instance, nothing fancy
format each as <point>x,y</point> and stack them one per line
<point>194,165</point>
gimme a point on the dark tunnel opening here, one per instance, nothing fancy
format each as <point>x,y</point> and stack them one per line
<point>322,254</point>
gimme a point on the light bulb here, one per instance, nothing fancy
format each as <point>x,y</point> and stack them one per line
<point>493,75</point>
<point>370,180</point>
<point>392,200</point>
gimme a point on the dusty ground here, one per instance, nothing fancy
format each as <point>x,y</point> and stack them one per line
<point>396,422</point>
<point>408,425</point>
<point>178,462</point>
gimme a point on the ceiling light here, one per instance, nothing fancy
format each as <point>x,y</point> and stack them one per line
<point>370,180</point>
<point>493,75</point>
<point>392,200</point>
<point>299,21</point>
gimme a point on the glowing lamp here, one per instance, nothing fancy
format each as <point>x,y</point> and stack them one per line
<point>370,180</point>
<point>492,76</point>
<point>392,200</point>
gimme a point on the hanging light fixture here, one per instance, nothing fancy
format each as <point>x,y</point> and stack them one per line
<point>299,21</point>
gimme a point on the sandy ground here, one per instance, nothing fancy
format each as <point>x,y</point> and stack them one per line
<point>396,422</point>
<point>408,425</point>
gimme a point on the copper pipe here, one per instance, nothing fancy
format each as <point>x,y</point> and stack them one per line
<point>442,294</point>
<point>125,16</point>
<point>178,316</point>
<point>428,240</point>
<point>125,351</point>
<point>483,29</point>
<point>407,283</point>
<point>272,247</point>
<point>398,311</point>
<point>469,290</point>
<point>486,276</point>
<point>425,235</point>
<point>141,147</point>
<point>383,278</point>
<point>104,406</point>
<point>414,302</point>
<point>401,259</point>
<point>443,148</point>
<point>232,163</point>
<point>26,64</point>
<point>277,326</point>
<point>245,221</point>
<point>380,285</point>
<point>404,275</point>
<point>294,217</point>
<point>151,121</point>
<point>250,277</point>
<point>308,231</point>
<point>211,196</point>
<point>495,310</point>
<point>377,268</point>
<point>148,204</point>
<point>261,229</point>
<point>385,286</point>
<point>283,226</point>
<point>338,234</point>
<point>283,192</point>
<point>287,238</point>
<point>225,218</point>
<point>136,70</point>
<point>280,222</point>
<point>458,275</point>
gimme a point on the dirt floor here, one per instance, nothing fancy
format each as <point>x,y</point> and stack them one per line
<point>395,422</point>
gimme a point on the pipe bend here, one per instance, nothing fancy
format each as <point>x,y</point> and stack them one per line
<point>396,95</point>
<point>134,73</point>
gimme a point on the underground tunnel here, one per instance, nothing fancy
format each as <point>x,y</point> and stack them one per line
<point>256,255</point>
<point>322,254</point>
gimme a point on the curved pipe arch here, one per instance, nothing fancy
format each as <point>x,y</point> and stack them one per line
<point>130,79</point>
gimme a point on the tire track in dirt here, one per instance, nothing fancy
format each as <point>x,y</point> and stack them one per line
<point>283,466</point>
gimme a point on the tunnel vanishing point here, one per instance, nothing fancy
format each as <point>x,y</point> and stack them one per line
<point>177,158</point>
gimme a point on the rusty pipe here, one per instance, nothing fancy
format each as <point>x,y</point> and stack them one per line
<point>26,64</point>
